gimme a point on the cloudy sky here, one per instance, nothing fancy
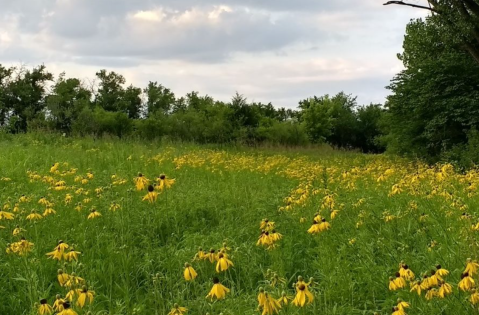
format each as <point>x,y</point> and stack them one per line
<point>269,50</point>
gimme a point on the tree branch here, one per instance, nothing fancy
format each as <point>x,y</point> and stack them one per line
<point>411,5</point>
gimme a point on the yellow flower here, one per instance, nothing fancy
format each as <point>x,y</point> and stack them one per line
<point>93,214</point>
<point>284,299</point>
<point>164,182</point>
<point>17,230</point>
<point>261,297</point>
<point>302,294</point>
<point>218,290</point>
<point>114,206</point>
<point>49,211</point>
<point>151,196</point>
<point>67,310</point>
<point>466,283</point>
<point>71,255</point>
<point>58,304</point>
<point>441,272</point>
<point>405,272</point>
<point>474,297</point>
<point>211,256</point>
<point>34,216</point>
<point>471,267</point>
<point>189,273</point>
<point>270,305</point>
<point>44,308</point>
<point>178,310</point>
<point>431,293</point>
<point>6,215</point>
<point>223,262</point>
<point>444,289</point>
<point>141,182</point>
<point>200,255</point>
<point>85,296</point>
<point>402,305</point>
<point>396,283</point>
<point>416,286</point>
<point>62,277</point>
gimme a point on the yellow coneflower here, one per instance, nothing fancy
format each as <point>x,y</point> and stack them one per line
<point>218,290</point>
<point>68,199</point>
<point>474,298</point>
<point>141,181</point>
<point>441,271</point>
<point>89,175</point>
<point>21,247</point>
<point>466,283</point>
<point>434,279</point>
<point>189,273</point>
<point>471,267</point>
<point>416,287</point>
<point>425,283</point>
<point>200,255</point>
<point>334,214</point>
<point>284,299</point>
<point>17,230</point>
<point>49,211</point>
<point>178,310</point>
<point>93,214</point>
<point>275,236</point>
<point>303,294</point>
<point>266,225</point>
<point>67,309</point>
<point>78,207</point>
<point>54,167</point>
<point>270,306</point>
<point>223,262</point>
<point>431,293</point>
<point>396,283</point>
<point>397,311</point>
<point>151,196</point>
<point>164,182</point>
<point>34,216</point>
<point>211,256</point>
<point>114,206</point>
<point>23,198</point>
<point>261,297</point>
<point>402,305</point>
<point>62,277</point>
<point>44,308</point>
<point>71,255</point>
<point>444,289</point>
<point>43,201</point>
<point>58,304</point>
<point>74,280</point>
<point>85,296</point>
<point>70,296</point>
<point>405,272</point>
<point>6,215</point>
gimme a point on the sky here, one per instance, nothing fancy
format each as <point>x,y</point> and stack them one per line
<point>278,51</point>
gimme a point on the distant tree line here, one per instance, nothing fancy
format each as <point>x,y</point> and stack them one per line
<point>31,99</point>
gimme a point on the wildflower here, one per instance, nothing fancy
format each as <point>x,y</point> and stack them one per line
<point>474,299</point>
<point>266,225</point>
<point>49,211</point>
<point>114,206</point>
<point>62,277</point>
<point>141,182</point>
<point>334,214</point>
<point>302,293</point>
<point>189,273</point>
<point>23,198</point>
<point>58,304</point>
<point>318,227</point>
<point>44,308</point>
<point>68,198</point>
<point>78,207</point>
<point>6,215</point>
<point>284,299</point>
<point>431,293</point>
<point>67,309</point>
<point>17,230</point>
<point>93,214</point>
<point>416,286</point>
<point>84,296</point>
<point>275,236</point>
<point>152,195</point>
<point>466,283</point>
<point>396,283</point>
<point>471,267</point>
<point>43,201</point>
<point>434,279</point>
<point>211,256</point>
<point>200,255</point>
<point>164,182</point>
<point>74,280</point>
<point>178,310</point>
<point>71,255</point>
<point>402,305</point>
<point>33,216</point>
<point>261,297</point>
<point>21,247</point>
<point>270,305</point>
<point>405,272</point>
<point>218,290</point>
<point>223,262</point>
<point>54,167</point>
<point>397,311</point>
<point>441,272</point>
<point>444,289</point>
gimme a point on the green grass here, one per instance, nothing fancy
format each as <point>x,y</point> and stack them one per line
<point>133,258</point>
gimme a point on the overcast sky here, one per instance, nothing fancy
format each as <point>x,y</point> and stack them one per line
<point>278,51</point>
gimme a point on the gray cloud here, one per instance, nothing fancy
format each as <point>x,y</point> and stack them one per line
<point>278,50</point>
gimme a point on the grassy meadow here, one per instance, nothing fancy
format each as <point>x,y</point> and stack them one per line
<point>366,215</point>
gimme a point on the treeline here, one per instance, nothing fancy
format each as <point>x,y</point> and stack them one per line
<point>31,99</point>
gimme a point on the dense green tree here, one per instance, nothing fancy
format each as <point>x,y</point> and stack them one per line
<point>67,99</point>
<point>435,100</point>
<point>159,98</point>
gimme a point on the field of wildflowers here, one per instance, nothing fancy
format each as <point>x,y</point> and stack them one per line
<point>109,227</point>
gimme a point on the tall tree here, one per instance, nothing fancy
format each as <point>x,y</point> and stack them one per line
<point>159,98</point>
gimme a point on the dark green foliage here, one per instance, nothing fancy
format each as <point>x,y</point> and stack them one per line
<point>435,100</point>
<point>155,113</point>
